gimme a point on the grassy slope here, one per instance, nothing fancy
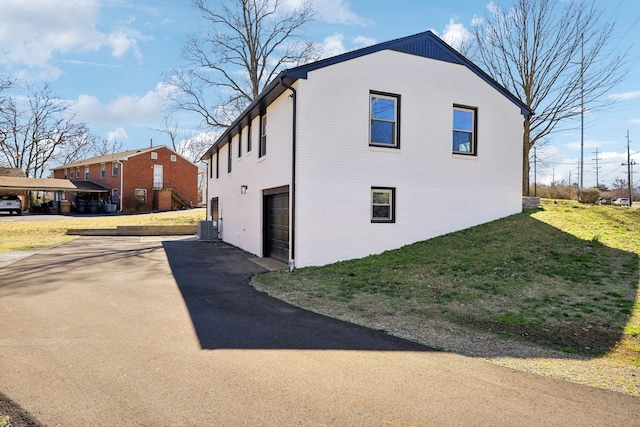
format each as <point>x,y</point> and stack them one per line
<point>565,277</point>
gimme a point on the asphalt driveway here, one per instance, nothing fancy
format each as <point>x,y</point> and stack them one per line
<point>154,332</point>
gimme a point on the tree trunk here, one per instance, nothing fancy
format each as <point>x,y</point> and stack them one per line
<point>526,146</point>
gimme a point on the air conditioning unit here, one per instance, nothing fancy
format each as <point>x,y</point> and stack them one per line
<point>207,230</point>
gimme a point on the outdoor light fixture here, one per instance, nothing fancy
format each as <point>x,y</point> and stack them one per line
<point>243,189</point>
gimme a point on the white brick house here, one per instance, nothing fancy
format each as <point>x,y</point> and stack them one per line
<point>367,151</point>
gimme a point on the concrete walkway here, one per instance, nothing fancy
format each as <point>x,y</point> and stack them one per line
<point>155,332</point>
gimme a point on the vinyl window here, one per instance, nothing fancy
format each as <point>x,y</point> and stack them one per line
<point>384,120</point>
<point>464,130</point>
<point>383,204</point>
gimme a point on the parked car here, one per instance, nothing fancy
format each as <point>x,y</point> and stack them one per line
<point>10,203</point>
<point>603,201</point>
<point>623,202</point>
<point>615,202</point>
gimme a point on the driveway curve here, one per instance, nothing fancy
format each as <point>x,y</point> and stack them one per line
<point>154,332</point>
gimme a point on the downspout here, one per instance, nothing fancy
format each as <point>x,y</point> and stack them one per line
<point>292,259</point>
<point>121,182</point>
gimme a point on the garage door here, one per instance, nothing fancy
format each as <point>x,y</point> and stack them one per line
<point>276,226</point>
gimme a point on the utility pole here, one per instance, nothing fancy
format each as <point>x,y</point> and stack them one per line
<point>597,168</point>
<point>629,166</point>
<point>582,113</point>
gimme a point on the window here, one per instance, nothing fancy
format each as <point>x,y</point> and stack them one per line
<point>77,173</point>
<point>154,156</point>
<point>262,149</point>
<point>464,130</point>
<point>249,137</point>
<point>229,157</point>
<point>385,120</point>
<point>114,169</point>
<point>103,170</point>
<point>86,173</point>
<point>211,166</point>
<point>383,204</point>
<point>64,174</point>
<point>217,164</point>
<point>114,195</point>
<point>173,158</point>
<point>240,143</point>
<point>141,195</point>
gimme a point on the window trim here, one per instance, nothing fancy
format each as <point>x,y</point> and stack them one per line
<point>249,137</point>
<point>240,143</point>
<point>229,156</point>
<point>86,173</point>
<point>474,130</point>
<point>217,164</point>
<point>103,170</point>
<point>115,168</point>
<point>392,205</point>
<point>396,98</point>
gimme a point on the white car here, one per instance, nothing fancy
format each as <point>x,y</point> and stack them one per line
<point>623,202</point>
<point>10,203</point>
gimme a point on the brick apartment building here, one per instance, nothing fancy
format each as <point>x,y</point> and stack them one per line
<point>155,178</point>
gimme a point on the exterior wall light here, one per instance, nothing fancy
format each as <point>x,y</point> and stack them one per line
<point>243,189</point>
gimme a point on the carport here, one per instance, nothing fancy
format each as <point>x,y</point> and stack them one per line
<point>59,188</point>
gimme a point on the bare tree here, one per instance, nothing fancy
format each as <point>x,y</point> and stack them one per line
<point>244,44</point>
<point>34,130</point>
<point>555,56</point>
<point>189,144</point>
<point>83,145</point>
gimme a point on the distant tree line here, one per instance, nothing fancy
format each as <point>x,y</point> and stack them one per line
<point>561,190</point>
<point>38,130</point>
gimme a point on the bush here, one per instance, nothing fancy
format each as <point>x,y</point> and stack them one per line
<point>588,195</point>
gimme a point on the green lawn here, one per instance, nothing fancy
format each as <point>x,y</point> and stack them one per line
<point>49,231</point>
<point>564,276</point>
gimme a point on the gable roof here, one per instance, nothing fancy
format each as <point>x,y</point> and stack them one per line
<point>425,44</point>
<point>125,155</point>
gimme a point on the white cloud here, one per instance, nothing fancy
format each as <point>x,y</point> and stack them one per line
<point>456,35</point>
<point>125,110</point>
<point>118,134</point>
<point>332,11</point>
<point>333,45</point>
<point>34,32</point>
<point>625,96</point>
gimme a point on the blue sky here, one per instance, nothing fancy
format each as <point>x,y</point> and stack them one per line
<point>108,58</point>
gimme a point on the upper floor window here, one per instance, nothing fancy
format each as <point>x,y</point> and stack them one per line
<point>240,143</point>
<point>114,169</point>
<point>77,173</point>
<point>86,173</point>
<point>464,130</point>
<point>262,150</point>
<point>103,170</point>
<point>249,137</point>
<point>385,120</point>
<point>229,157</point>
<point>154,155</point>
<point>64,174</point>
<point>217,164</point>
<point>173,158</point>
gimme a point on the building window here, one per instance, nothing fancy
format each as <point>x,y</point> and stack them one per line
<point>64,173</point>
<point>103,170</point>
<point>240,143</point>
<point>154,156</point>
<point>114,169</point>
<point>77,173</point>
<point>173,158</point>
<point>262,149</point>
<point>141,195</point>
<point>217,164</point>
<point>383,204</point>
<point>385,120</point>
<point>114,195</point>
<point>464,130</point>
<point>249,137</point>
<point>229,157</point>
<point>86,173</point>
<point>211,166</point>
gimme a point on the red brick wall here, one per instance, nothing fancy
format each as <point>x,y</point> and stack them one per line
<point>179,175</point>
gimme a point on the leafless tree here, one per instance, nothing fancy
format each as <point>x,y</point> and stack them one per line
<point>189,144</point>
<point>243,45</point>
<point>35,126</point>
<point>83,145</point>
<point>555,55</point>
